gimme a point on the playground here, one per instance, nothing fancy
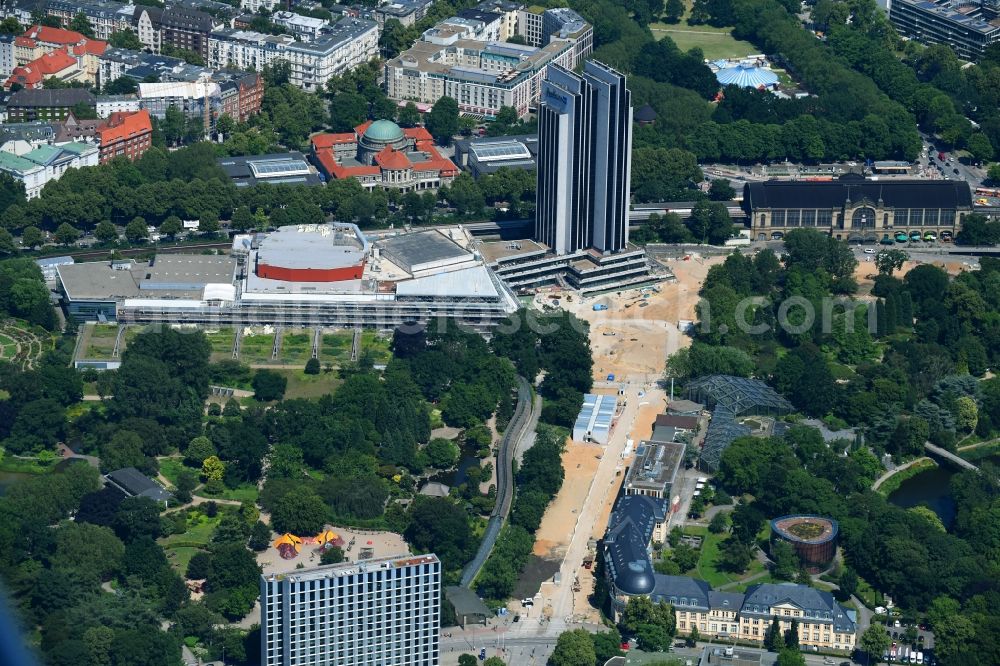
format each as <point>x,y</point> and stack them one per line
<point>357,545</point>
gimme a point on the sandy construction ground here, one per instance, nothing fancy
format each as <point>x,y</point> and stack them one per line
<point>865,272</point>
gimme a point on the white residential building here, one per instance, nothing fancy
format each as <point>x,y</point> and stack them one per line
<point>308,28</point>
<point>7,62</point>
<point>351,42</point>
<point>342,47</point>
<point>255,5</point>
<point>37,167</point>
<point>108,104</point>
<point>383,612</point>
<point>245,49</point>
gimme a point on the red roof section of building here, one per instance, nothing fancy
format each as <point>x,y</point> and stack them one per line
<point>37,70</point>
<point>321,141</point>
<point>43,33</point>
<point>89,46</point>
<point>122,125</point>
<point>388,158</point>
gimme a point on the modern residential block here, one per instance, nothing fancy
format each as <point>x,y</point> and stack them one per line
<point>381,612</point>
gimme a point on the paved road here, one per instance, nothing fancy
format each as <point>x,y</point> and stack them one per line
<point>505,479</point>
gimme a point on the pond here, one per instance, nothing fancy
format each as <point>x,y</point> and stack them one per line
<point>933,489</point>
<point>930,488</point>
<point>456,477</point>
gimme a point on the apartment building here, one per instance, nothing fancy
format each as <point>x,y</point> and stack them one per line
<point>256,5</point>
<point>246,49</point>
<point>37,167</point>
<point>240,98</point>
<point>127,135</point>
<point>46,105</point>
<point>967,27</point>
<point>146,25</point>
<point>382,612</point>
<point>105,17</point>
<point>508,12</point>
<point>7,62</point>
<point>108,104</point>
<point>58,65</point>
<point>187,29</point>
<point>351,42</point>
<point>309,28</point>
<point>407,12</point>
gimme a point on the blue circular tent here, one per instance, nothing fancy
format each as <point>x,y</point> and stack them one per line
<point>746,76</point>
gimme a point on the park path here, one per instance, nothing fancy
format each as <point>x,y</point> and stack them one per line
<point>505,479</point>
<point>882,479</point>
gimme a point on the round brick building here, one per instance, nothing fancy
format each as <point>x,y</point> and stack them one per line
<point>814,538</point>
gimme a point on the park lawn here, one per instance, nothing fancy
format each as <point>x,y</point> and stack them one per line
<point>296,347</point>
<point>376,345</point>
<point>198,533</point>
<point>335,348</point>
<point>707,569</point>
<point>256,348</point>
<point>180,556</point>
<point>715,43</point>
<point>301,385</point>
<point>170,468</point>
<point>245,492</point>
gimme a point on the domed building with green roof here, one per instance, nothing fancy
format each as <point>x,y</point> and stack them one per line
<point>382,154</point>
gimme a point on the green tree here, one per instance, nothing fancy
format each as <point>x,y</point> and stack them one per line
<point>171,226</point>
<point>125,39</point>
<point>889,261</point>
<point>66,234</point>
<point>719,523</point>
<point>848,582</point>
<point>675,11</point>
<point>124,449</point>
<point>187,481</point>
<point>980,147</point>
<point>791,658</point>
<point>721,189</point>
<point>408,116</point>
<point>136,230</point>
<point>312,366</point>
<point>437,524</point>
<point>573,648</point>
<point>198,449</point>
<point>442,453</point>
<point>213,469</point>
<point>395,38</point>
<point>792,636</point>
<point>993,173</point>
<point>652,638</point>
<point>786,562</point>
<point>32,237</point>
<point>467,659</point>
<point>465,195</point>
<point>105,232</point>
<point>773,639</point>
<point>7,244</point>
<point>442,120</point>
<point>332,555</point>
<point>875,641</point>
<point>81,24</point>
<point>90,551</point>
<point>301,512</point>
<point>268,385</point>
<point>347,111</point>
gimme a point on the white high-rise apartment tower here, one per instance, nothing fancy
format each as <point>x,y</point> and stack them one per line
<point>383,612</point>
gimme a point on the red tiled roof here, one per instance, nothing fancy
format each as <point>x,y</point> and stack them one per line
<point>418,133</point>
<point>90,46</point>
<point>360,129</point>
<point>121,125</point>
<point>44,33</point>
<point>388,158</point>
<point>38,69</point>
<point>321,141</point>
<point>24,41</point>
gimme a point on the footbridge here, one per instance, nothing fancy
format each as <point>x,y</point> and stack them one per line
<point>949,456</point>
